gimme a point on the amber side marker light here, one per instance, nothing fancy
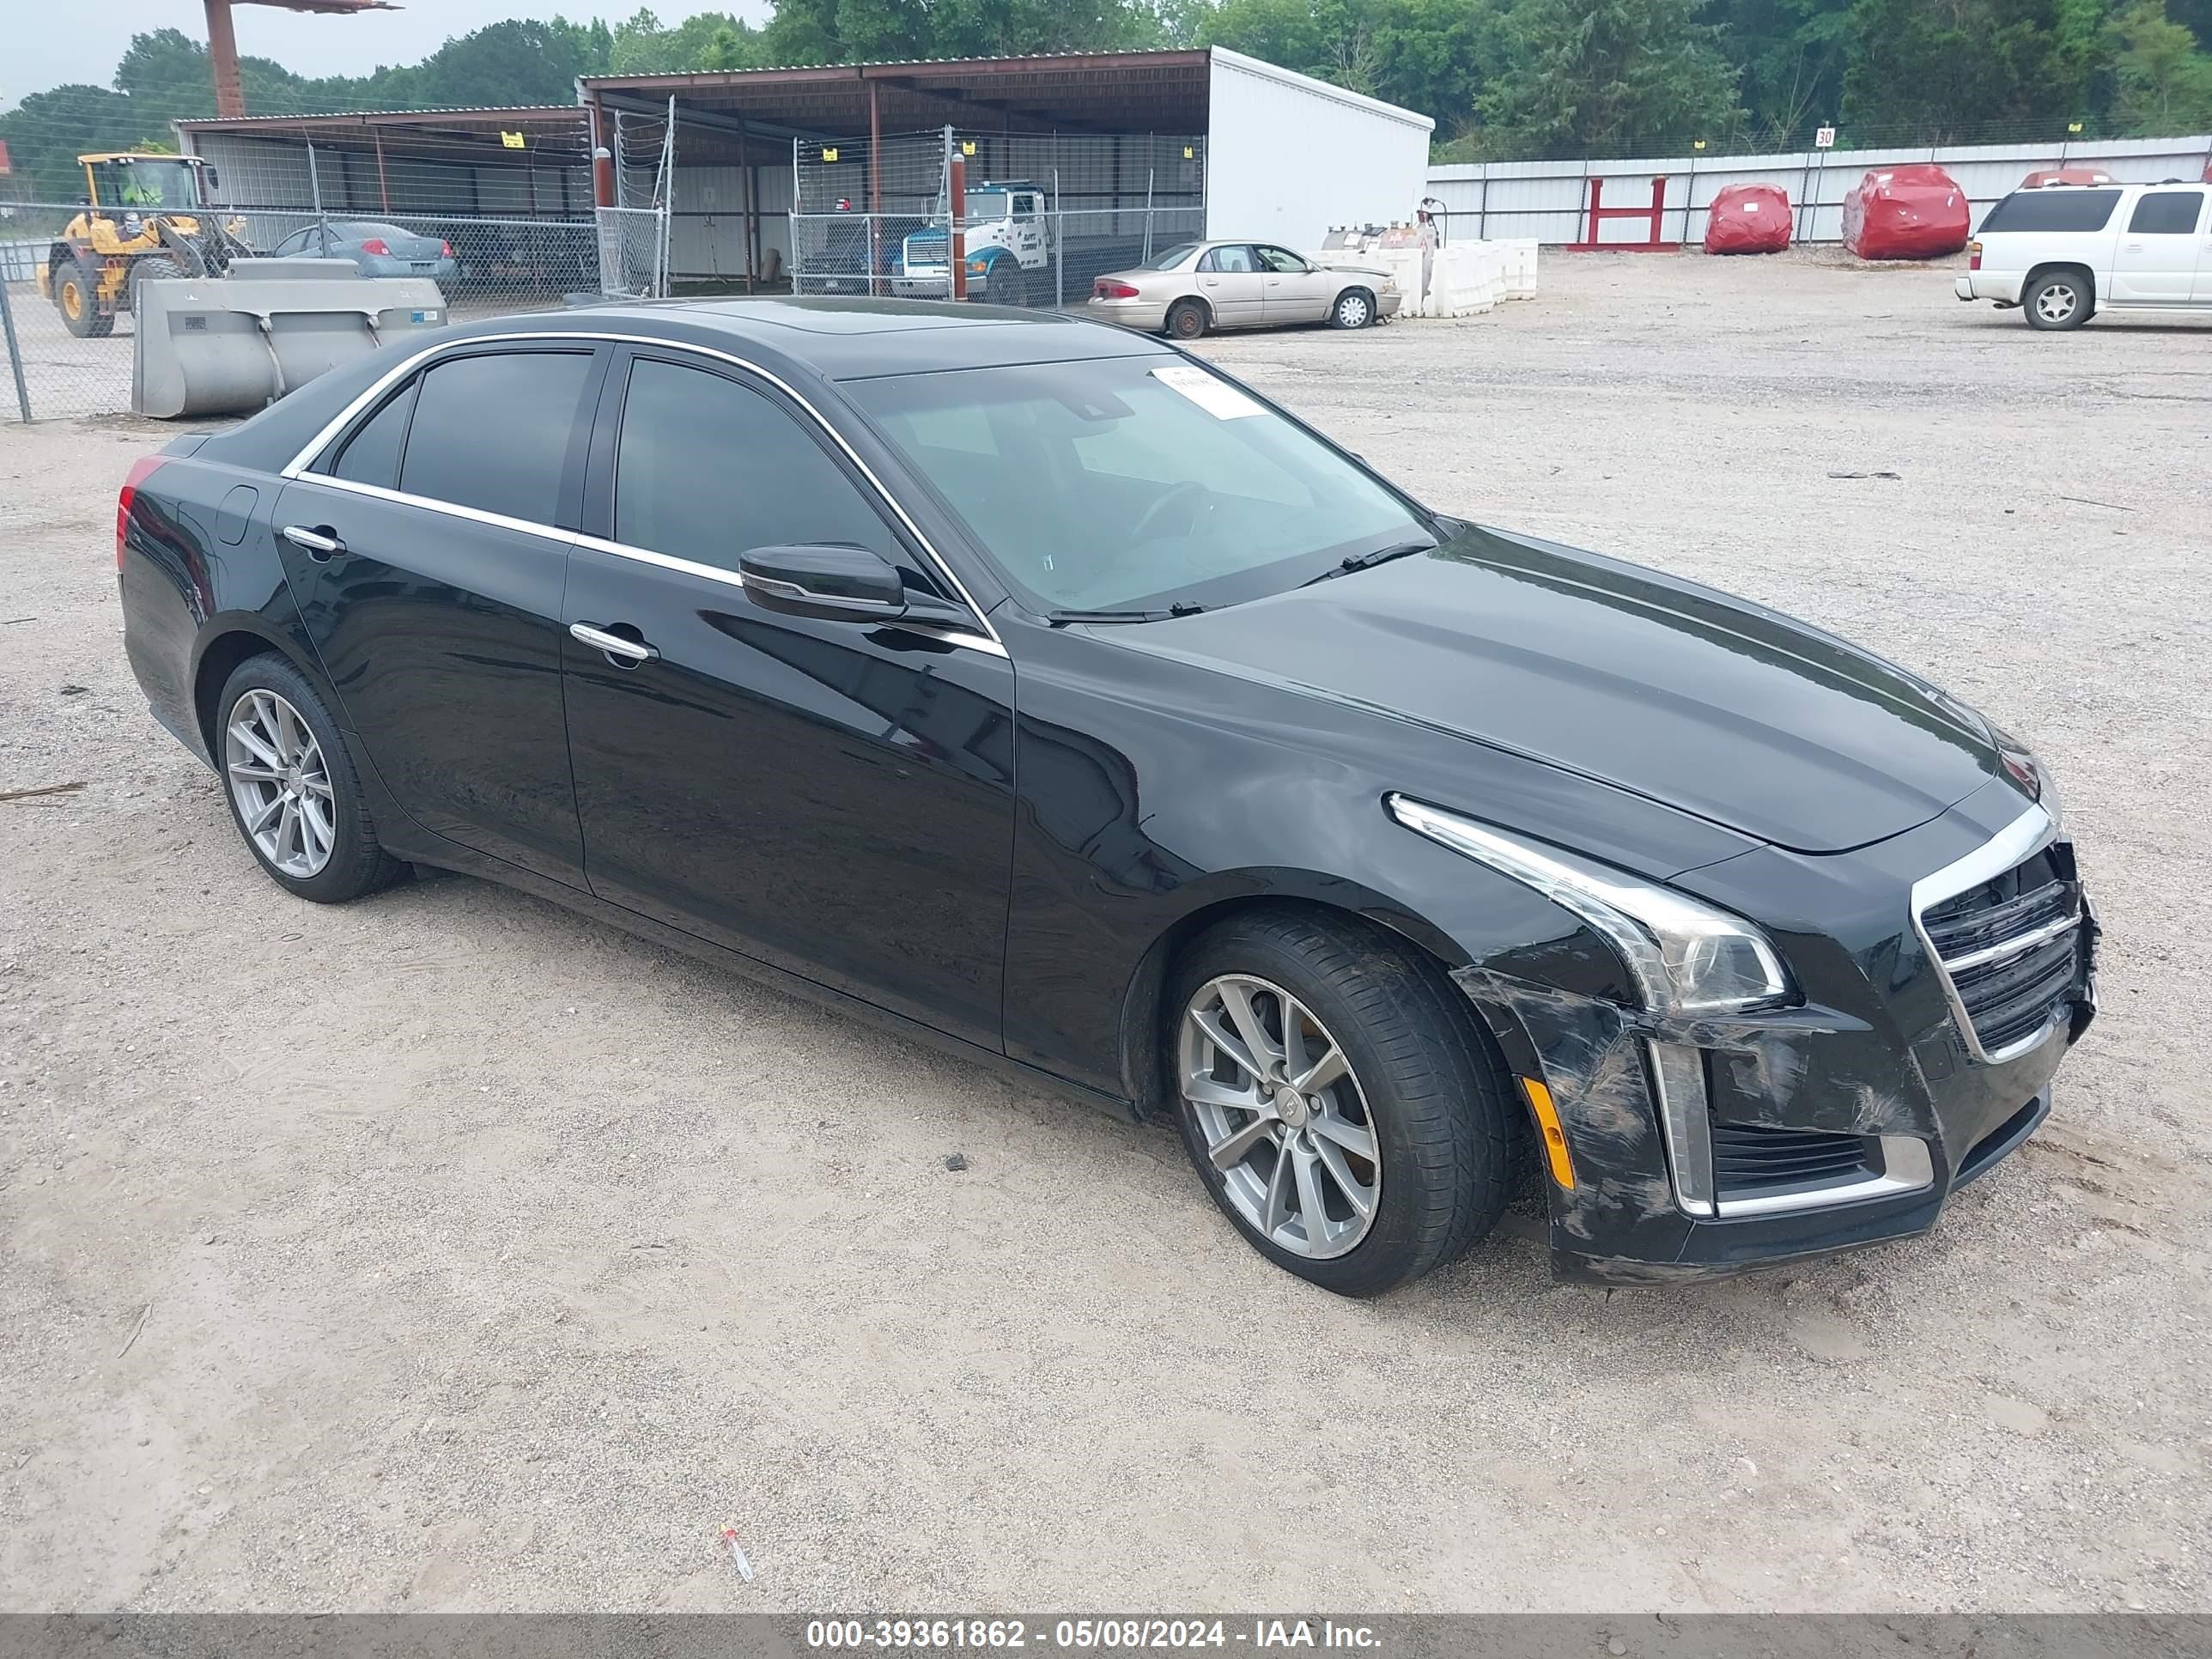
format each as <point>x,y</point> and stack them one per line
<point>1555,1138</point>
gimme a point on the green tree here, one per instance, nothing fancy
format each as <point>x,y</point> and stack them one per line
<point>708,41</point>
<point>2163,77</point>
<point>1603,76</point>
<point>1793,54</point>
<point>1946,69</point>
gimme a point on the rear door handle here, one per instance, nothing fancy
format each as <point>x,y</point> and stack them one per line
<point>632,652</point>
<point>319,543</point>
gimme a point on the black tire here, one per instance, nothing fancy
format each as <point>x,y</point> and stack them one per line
<point>2058,299</point>
<point>1433,1092</point>
<point>1354,308</point>
<point>81,278</point>
<point>153,267</point>
<point>1187,320</point>
<point>358,863</point>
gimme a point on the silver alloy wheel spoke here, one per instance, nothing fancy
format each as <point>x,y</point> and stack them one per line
<point>281,783</point>
<point>1282,1115</point>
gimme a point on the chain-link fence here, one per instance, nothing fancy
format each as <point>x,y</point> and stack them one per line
<point>1045,214</point>
<point>70,306</point>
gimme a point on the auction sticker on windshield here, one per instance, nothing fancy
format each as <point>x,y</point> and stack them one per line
<point>1217,398</point>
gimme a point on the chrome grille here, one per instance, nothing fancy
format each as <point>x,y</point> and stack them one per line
<point>2004,925</point>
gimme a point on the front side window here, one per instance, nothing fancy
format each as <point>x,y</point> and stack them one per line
<point>1134,483</point>
<point>492,432</point>
<point>2166,213</point>
<point>707,468</point>
<point>1282,260</point>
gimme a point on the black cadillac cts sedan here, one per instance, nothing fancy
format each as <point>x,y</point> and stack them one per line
<point>1036,685</point>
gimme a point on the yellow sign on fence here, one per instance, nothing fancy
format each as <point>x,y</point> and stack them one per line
<point>512,140</point>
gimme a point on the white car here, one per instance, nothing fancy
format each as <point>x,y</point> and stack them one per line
<point>2064,252</point>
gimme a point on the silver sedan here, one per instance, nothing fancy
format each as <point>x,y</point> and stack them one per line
<point>1198,286</point>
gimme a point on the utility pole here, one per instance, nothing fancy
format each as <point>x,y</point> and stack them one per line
<point>222,41</point>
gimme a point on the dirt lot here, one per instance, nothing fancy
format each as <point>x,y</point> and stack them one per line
<point>447,1251</point>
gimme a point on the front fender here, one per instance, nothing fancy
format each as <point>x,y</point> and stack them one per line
<point>1151,795</point>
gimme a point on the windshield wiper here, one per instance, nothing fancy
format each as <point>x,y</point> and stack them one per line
<point>1369,560</point>
<point>1061,619</point>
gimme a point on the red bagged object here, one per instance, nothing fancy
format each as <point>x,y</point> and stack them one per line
<point>1913,212</point>
<point>1748,219</point>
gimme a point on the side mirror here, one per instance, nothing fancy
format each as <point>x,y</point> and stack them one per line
<point>832,580</point>
<point>211,178</point>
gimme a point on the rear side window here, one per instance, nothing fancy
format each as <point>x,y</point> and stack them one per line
<point>707,468</point>
<point>2166,213</point>
<point>371,456</point>
<point>492,432</point>
<point>2064,209</point>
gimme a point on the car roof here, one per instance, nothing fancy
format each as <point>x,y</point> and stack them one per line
<point>839,338</point>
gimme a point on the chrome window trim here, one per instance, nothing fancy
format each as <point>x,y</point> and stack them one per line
<point>452,509</point>
<point>295,471</point>
<point>2025,837</point>
<point>1907,1167</point>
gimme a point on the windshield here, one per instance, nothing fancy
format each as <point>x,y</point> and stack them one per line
<point>1134,483</point>
<point>147,184</point>
<point>1173,256</point>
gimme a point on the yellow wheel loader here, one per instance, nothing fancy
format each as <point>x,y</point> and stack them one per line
<point>143,218</point>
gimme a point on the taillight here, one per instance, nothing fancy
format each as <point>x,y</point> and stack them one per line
<point>141,470</point>
<point>1973,256</point>
<point>1109,290</point>
<point>376,245</point>
<point>446,248</point>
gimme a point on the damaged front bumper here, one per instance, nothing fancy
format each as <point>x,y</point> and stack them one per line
<point>1704,1145</point>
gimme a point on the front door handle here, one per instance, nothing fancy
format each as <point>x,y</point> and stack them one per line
<point>630,652</point>
<point>319,543</point>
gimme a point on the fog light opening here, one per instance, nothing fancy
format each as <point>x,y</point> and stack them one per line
<point>1555,1138</point>
<point>1678,1086</point>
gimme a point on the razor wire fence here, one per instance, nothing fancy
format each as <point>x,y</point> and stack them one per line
<point>75,358</point>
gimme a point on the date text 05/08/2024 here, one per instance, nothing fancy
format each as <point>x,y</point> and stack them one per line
<point>1085,1635</point>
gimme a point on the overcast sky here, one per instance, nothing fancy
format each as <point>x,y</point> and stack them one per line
<point>44,44</point>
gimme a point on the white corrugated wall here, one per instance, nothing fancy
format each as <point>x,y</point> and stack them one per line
<point>1288,156</point>
<point>1545,199</point>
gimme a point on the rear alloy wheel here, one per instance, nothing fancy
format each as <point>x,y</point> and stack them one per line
<point>1186,319</point>
<point>2059,300</point>
<point>293,790</point>
<point>1354,308</point>
<point>1339,1108</point>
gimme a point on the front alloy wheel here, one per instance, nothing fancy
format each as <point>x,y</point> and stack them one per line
<point>1282,1116</point>
<point>1337,1095</point>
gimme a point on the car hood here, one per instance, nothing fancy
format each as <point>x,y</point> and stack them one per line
<point>1684,695</point>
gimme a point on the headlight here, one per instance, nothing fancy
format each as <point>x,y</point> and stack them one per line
<point>2022,766</point>
<point>1686,958</point>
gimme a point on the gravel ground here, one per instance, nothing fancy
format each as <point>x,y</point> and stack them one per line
<point>448,1251</point>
